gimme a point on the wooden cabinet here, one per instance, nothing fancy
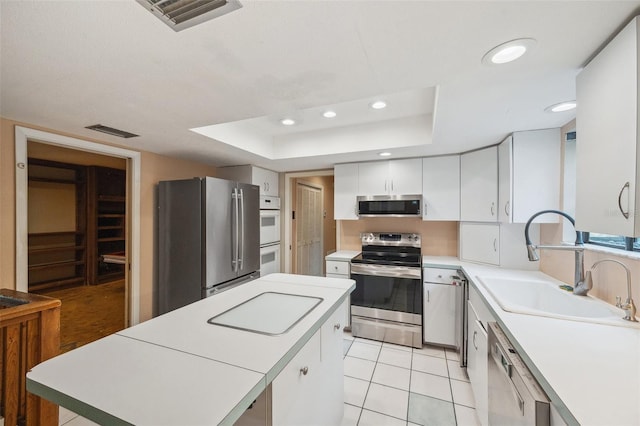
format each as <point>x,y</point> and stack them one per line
<point>106,224</point>
<point>395,177</point>
<point>267,180</point>
<point>345,191</point>
<point>441,188</point>
<point>479,185</point>
<point>529,176</point>
<point>607,133</point>
<point>311,386</point>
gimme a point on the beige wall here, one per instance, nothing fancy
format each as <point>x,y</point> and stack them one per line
<point>609,279</point>
<point>438,238</point>
<point>154,168</point>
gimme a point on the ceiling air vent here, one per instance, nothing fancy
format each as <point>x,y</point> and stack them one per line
<point>111,131</point>
<point>181,14</point>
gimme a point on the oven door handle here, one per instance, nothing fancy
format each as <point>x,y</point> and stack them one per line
<point>386,271</point>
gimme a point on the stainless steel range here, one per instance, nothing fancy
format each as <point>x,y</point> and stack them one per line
<point>387,302</point>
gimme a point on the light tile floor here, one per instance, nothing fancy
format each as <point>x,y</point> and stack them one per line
<point>387,384</point>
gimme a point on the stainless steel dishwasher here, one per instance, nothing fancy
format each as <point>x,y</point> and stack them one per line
<point>515,398</point>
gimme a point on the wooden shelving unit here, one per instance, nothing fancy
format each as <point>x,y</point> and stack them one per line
<point>57,258</point>
<point>106,223</point>
<point>64,258</point>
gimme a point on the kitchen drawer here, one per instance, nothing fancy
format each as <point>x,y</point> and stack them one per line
<point>480,308</point>
<point>438,275</point>
<point>341,268</point>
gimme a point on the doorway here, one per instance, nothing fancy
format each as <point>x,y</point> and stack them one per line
<point>309,225</point>
<point>131,159</point>
<point>77,239</point>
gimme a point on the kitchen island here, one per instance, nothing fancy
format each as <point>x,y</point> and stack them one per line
<point>180,368</point>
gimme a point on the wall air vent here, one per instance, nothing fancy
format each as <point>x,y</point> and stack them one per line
<point>111,131</point>
<point>181,14</point>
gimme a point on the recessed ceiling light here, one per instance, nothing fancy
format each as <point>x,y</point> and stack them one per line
<point>561,107</point>
<point>508,52</point>
<point>288,121</point>
<point>384,154</point>
<point>329,114</point>
<point>378,105</point>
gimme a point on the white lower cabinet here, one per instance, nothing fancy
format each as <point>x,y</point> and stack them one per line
<point>310,389</point>
<point>294,390</point>
<point>477,365</point>
<point>478,317</point>
<point>439,308</point>
<point>341,269</point>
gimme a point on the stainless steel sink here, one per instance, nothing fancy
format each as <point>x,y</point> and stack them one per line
<point>269,313</point>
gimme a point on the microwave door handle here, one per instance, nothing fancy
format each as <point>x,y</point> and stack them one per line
<point>241,240</point>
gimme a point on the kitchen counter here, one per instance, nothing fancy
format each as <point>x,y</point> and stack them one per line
<point>179,369</point>
<point>342,255</point>
<point>591,372</point>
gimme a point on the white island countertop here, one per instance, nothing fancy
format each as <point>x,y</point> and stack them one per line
<point>591,372</point>
<point>179,369</point>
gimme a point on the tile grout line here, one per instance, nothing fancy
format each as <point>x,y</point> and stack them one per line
<point>453,403</point>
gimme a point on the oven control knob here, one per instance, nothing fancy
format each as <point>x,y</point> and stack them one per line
<point>370,237</point>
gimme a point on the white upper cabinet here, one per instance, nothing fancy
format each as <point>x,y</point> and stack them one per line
<point>479,185</point>
<point>529,176</point>
<point>265,179</point>
<point>345,191</point>
<point>607,138</point>
<point>441,188</point>
<point>395,177</point>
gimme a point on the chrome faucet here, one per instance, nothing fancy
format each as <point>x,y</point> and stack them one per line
<point>581,287</point>
<point>629,307</point>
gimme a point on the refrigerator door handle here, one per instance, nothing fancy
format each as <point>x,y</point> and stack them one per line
<point>234,262</point>
<point>241,239</point>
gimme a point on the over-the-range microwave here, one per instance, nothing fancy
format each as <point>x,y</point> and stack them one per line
<point>390,206</point>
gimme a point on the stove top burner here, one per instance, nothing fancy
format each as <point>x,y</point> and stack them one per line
<point>390,249</point>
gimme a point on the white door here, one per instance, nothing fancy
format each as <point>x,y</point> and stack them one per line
<point>479,185</point>
<point>441,188</point>
<point>373,178</point>
<point>505,164</point>
<point>345,191</point>
<point>480,242</point>
<point>405,177</point>
<point>440,314</point>
<point>309,212</point>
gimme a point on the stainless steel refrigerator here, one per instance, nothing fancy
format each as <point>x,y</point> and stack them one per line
<point>208,238</point>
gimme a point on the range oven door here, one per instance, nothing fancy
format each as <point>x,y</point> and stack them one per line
<point>386,304</point>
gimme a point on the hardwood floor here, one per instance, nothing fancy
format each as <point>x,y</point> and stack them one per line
<point>89,313</point>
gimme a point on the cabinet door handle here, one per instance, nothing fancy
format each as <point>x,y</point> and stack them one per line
<point>425,208</point>
<point>304,370</point>
<point>336,326</point>
<point>506,207</point>
<point>391,185</point>
<point>625,214</point>
<point>428,296</point>
<point>493,209</point>
<point>474,340</point>
<point>495,244</point>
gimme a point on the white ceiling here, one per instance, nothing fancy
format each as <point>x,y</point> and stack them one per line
<point>66,65</point>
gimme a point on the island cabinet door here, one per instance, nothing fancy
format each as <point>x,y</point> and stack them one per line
<point>295,390</point>
<point>330,403</point>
